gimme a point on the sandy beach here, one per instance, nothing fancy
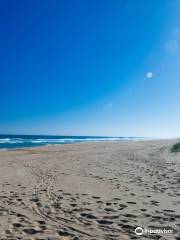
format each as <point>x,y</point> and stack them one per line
<point>90,191</point>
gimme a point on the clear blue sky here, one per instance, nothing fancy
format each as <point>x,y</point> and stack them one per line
<point>97,67</point>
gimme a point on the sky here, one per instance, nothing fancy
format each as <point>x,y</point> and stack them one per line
<point>90,67</point>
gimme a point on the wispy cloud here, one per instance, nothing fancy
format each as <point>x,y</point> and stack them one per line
<point>176,32</point>
<point>108,106</point>
<point>172,45</point>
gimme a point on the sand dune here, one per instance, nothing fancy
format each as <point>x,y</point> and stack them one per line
<point>90,191</point>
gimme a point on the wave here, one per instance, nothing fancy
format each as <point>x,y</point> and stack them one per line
<point>60,140</point>
<point>74,140</point>
<point>4,140</point>
<point>28,141</point>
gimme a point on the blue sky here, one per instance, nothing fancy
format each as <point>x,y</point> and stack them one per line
<point>90,67</point>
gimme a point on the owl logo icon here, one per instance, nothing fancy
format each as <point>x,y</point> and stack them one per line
<point>139,231</point>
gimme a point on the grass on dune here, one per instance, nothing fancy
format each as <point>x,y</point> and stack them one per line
<point>176,147</point>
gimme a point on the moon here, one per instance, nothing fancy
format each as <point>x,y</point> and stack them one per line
<point>149,75</point>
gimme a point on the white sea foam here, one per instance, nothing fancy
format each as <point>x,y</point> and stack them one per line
<point>21,141</point>
<point>4,140</point>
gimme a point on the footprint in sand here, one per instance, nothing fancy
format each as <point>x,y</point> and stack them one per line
<point>104,222</point>
<point>88,216</point>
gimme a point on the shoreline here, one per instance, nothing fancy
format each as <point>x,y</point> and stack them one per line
<point>96,142</point>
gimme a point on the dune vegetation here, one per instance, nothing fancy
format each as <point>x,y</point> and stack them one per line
<point>176,147</point>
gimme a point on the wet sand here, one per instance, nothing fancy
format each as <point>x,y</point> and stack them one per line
<point>90,191</point>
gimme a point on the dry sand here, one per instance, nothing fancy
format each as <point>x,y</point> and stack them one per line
<point>90,191</point>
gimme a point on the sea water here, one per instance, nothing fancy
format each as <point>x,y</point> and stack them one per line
<point>22,141</point>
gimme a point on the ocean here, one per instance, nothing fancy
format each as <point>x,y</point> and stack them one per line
<point>23,141</point>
